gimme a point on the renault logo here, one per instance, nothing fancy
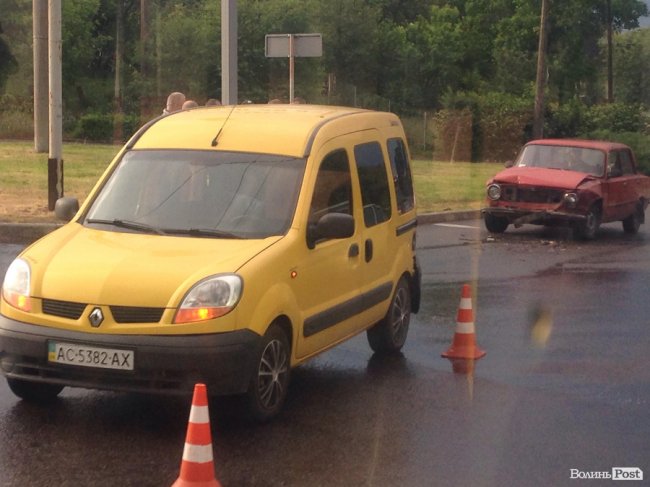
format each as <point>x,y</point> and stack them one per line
<point>96,317</point>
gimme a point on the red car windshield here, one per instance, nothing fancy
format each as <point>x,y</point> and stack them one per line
<point>580,159</point>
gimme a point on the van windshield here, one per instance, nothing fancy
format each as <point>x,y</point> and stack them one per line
<point>200,193</point>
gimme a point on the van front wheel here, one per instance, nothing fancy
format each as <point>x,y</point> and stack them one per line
<point>390,333</point>
<point>268,387</point>
<point>34,391</point>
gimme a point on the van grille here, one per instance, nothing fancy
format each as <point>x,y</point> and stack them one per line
<point>133,314</point>
<point>121,314</point>
<point>63,309</point>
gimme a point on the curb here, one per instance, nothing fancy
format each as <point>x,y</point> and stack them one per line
<point>26,233</point>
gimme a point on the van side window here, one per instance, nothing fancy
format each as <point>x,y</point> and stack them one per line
<point>373,179</point>
<point>333,190</point>
<point>401,175</point>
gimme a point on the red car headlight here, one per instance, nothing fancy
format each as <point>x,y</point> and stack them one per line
<point>494,191</point>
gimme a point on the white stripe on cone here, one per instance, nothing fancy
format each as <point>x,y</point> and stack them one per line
<point>197,453</point>
<point>465,327</point>
<point>199,415</point>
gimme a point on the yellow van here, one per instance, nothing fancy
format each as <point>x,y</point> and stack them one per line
<point>223,245</point>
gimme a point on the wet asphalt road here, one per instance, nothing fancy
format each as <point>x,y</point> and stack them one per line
<point>565,385</point>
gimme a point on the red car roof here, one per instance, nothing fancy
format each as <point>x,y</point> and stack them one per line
<point>583,143</point>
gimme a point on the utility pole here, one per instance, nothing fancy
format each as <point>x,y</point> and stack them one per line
<point>39,33</point>
<point>54,162</point>
<point>540,83</point>
<point>610,61</point>
<point>229,52</point>
<point>145,71</point>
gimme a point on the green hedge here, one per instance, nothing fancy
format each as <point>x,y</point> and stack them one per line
<point>100,127</point>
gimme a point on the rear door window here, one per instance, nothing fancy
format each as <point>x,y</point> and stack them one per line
<point>627,167</point>
<point>375,193</point>
<point>402,179</point>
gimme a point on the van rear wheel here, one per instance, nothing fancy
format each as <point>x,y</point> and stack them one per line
<point>389,334</point>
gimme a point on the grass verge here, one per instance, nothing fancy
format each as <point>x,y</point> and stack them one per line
<point>439,186</point>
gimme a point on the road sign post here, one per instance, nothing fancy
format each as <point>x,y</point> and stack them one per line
<point>293,46</point>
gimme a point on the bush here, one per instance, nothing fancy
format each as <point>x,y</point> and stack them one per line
<point>574,119</point>
<point>566,120</point>
<point>617,117</point>
<point>16,117</point>
<point>102,127</point>
<point>16,125</point>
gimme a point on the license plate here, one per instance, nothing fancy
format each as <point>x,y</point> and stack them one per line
<point>87,356</point>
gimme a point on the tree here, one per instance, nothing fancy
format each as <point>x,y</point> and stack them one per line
<point>632,67</point>
<point>8,62</point>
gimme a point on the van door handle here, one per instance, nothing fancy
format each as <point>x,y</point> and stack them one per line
<point>368,250</point>
<point>353,251</point>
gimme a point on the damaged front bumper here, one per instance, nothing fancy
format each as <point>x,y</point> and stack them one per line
<point>517,217</point>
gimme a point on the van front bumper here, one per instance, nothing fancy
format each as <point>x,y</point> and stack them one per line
<point>170,364</point>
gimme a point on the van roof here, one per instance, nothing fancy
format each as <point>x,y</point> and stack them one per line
<point>274,129</point>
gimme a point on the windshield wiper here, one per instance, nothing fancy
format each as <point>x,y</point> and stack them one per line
<point>201,232</point>
<point>142,227</point>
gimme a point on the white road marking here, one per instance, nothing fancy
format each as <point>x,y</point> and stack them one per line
<point>452,225</point>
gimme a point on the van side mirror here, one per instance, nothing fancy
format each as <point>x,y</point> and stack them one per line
<point>509,164</point>
<point>331,226</point>
<point>66,208</point>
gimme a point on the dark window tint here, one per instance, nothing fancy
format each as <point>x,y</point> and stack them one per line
<point>373,179</point>
<point>401,175</point>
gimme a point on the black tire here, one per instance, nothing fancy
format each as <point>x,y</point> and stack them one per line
<point>588,229</point>
<point>269,384</point>
<point>34,391</point>
<point>632,223</point>
<point>495,224</point>
<point>389,335</point>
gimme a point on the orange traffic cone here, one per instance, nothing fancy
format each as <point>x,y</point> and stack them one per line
<point>197,467</point>
<point>464,344</point>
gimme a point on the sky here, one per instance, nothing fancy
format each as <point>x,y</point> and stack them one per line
<point>645,21</point>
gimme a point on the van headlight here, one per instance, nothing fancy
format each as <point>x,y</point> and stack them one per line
<point>494,191</point>
<point>15,288</point>
<point>210,298</point>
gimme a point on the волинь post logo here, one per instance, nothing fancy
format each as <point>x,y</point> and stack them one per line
<point>616,473</point>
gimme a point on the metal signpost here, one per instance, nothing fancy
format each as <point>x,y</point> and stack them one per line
<point>293,46</point>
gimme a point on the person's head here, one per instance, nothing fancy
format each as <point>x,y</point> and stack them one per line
<point>212,102</point>
<point>175,102</point>
<point>190,104</point>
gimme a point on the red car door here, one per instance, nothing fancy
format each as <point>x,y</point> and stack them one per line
<point>620,186</point>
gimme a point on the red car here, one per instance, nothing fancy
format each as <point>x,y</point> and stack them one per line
<point>581,183</point>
